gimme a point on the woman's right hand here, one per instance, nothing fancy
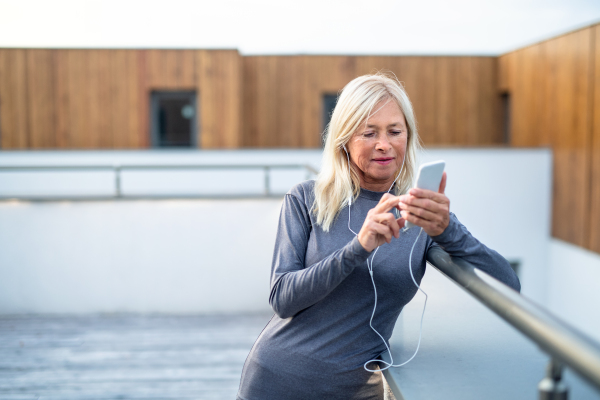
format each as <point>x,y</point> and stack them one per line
<point>380,225</point>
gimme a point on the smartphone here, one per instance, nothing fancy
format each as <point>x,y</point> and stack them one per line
<point>429,177</point>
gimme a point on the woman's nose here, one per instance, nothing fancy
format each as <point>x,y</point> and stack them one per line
<point>383,143</point>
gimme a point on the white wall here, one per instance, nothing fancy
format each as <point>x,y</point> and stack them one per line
<point>101,183</point>
<point>503,196</point>
<point>574,276</point>
<point>214,255</point>
<point>139,256</point>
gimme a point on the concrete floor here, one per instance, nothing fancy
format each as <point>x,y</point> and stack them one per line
<point>467,352</point>
<point>108,357</point>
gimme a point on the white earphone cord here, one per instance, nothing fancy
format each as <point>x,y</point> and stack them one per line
<point>370,268</point>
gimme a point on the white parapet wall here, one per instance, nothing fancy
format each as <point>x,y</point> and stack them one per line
<point>178,256</point>
<point>214,255</point>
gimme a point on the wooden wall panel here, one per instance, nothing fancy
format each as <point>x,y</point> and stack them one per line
<point>249,122</point>
<point>171,69</point>
<point>594,243</point>
<point>572,139</point>
<point>97,99</point>
<point>100,106</point>
<point>79,92</point>
<point>455,98</point>
<point>446,106</point>
<point>417,74</point>
<point>487,111</point>
<point>14,120</point>
<point>267,99</point>
<point>40,98</point>
<point>62,100</point>
<point>505,69</point>
<point>550,86</point>
<point>464,85</point>
<point>220,91</point>
<point>260,101</point>
<point>100,99</point>
<point>124,101</point>
<point>290,77</point>
<point>143,97</point>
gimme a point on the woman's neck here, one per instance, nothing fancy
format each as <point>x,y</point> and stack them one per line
<point>376,186</point>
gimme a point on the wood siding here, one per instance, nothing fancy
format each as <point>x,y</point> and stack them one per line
<point>554,93</point>
<point>455,98</point>
<point>594,243</point>
<point>99,99</point>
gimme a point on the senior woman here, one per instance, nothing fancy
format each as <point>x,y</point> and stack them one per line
<point>316,344</point>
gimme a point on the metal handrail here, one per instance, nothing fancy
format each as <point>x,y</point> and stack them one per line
<point>118,169</point>
<point>563,343</point>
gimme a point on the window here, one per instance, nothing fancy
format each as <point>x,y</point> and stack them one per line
<point>329,101</point>
<point>173,119</point>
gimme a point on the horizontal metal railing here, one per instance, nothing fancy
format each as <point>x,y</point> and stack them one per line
<point>119,169</point>
<point>565,345</point>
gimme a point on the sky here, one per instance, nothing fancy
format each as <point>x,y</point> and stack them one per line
<point>387,27</point>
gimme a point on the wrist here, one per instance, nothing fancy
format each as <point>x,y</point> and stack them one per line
<point>364,242</point>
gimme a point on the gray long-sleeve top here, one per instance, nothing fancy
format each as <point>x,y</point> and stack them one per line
<point>315,345</point>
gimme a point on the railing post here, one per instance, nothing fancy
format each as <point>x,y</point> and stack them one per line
<point>267,181</point>
<point>552,387</point>
<point>117,181</point>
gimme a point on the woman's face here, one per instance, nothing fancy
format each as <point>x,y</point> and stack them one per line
<point>379,145</point>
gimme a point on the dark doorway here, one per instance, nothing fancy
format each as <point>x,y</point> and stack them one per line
<point>173,119</point>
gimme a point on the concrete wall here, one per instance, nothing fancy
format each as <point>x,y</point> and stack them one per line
<point>214,255</point>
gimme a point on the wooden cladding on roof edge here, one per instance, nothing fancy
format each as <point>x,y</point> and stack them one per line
<point>99,99</point>
<point>455,98</point>
<point>555,101</point>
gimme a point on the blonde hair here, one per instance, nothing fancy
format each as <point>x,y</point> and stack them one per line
<point>355,104</point>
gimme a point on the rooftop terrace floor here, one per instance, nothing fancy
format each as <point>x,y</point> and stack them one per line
<point>106,357</point>
<point>150,357</point>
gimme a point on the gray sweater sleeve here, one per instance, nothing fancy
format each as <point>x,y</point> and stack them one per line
<point>459,242</point>
<point>295,286</point>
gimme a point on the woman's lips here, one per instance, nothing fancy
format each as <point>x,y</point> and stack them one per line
<point>383,160</point>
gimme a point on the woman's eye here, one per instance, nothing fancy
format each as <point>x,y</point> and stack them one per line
<point>369,134</point>
<point>396,133</point>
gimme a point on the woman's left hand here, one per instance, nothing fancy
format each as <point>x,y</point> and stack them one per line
<point>427,209</point>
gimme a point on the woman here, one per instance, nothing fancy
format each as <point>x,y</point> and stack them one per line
<point>315,345</point>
